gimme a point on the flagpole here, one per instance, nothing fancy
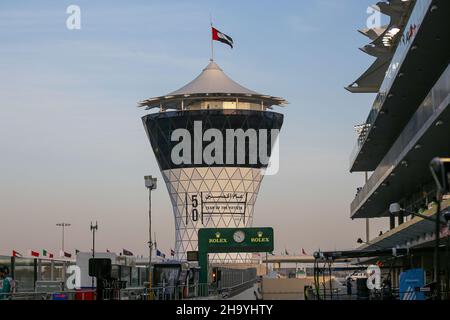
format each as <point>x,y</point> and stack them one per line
<point>212,41</point>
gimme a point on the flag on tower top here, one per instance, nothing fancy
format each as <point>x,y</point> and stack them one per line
<point>222,37</point>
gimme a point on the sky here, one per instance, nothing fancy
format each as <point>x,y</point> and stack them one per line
<point>73,147</point>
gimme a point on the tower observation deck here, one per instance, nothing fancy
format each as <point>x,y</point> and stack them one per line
<point>211,139</point>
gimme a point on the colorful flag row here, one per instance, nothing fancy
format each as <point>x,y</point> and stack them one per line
<point>45,254</point>
<point>65,254</point>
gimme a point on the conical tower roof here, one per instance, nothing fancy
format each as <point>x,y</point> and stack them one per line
<point>212,82</point>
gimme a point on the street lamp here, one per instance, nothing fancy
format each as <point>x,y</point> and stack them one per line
<point>63,225</point>
<point>94,228</point>
<point>150,184</point>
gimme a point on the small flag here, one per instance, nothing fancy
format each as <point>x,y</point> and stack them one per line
<point>16,254</point>
<point>65,254</point>
<point>34,253</point>
<point>45,253</point>
<point>222,37</point>
<point>172,252</point>
<point>304,252</point>
<point>127,252</point>
<point>286,252</point>
<point>256,256</point>
<point>160,254</point>
<point>77,251</point>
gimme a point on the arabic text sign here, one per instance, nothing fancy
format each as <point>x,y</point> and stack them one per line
<point>199,205</point>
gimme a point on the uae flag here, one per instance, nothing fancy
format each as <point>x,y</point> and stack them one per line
<point>222,37</point>
<point>16,254</point>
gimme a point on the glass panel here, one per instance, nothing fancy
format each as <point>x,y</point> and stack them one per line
<point>46,270</point>
<point>5,261</point>
<point>125,274</point>
<point>24,274</point>
<point>115,272</point>
<point>59,271</point>
<point>134,277</point>
<point>144,275</point>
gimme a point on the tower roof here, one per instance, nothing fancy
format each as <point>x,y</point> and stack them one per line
<point>213,80</point>
<point>211,83</point>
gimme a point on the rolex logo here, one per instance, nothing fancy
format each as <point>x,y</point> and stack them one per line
<point>217,234</point>
<point>260,234</point>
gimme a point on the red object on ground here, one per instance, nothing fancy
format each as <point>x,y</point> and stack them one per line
<point>85,295</point>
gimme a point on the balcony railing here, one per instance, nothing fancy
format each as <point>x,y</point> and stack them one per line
<point>404,45</point>
<point>428,108</point>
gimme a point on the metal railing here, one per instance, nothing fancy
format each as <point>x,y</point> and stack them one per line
<point>180,292</point>
<point>55,295</point>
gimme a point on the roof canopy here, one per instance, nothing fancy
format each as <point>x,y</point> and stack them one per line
<point>383,45</point>
<point>211,83</point>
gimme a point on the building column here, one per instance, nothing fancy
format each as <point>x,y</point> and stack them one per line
<point>400,218</point>
<point>391,222</point>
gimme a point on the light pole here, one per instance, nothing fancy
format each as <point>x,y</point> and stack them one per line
<point>63,225</point>
<point>150,184</point>
<point>93,229</point>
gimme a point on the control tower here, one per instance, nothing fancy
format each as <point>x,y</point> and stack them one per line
<point>209,139</point>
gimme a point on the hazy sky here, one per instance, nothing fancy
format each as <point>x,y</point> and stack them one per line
<point>73,147</point>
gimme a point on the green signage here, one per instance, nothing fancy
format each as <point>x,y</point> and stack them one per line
<point>212,240</point>
<point>235,240</point>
